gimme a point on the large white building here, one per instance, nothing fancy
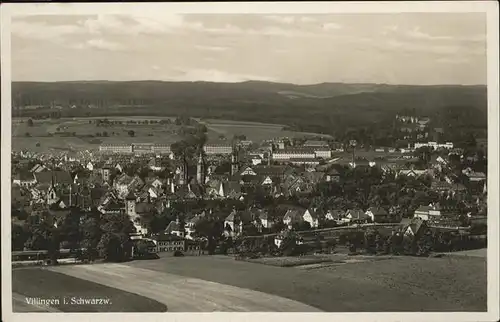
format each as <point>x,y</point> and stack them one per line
<point>136,148</point>
<point>434,145</point>
<point>324,153</point>
<point>296,153</point>
<point>214,149</point>
<point>116,148</point>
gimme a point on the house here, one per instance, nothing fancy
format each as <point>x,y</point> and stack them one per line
<point>229,189</point>
<point>256,160</point>
<point>378,214</point>
<point>355,216</point>
<point>311,217</point>
<point>332,175</point>
<point>155,164</point>
<point>56,177</point>
<point>293,216</point>
<point>169,243</point>
<point>90,166</point>
<point>235,222</point>
<point>334,214</point>
<point>24,179</point>
<point>443,187</point>
<point>191,224</point>
<point>124,184</point>
<point>175,228</point>
<point>38,168</point>
<point>412,227</point>
<point>112,207</point>
<point>412,173</point>
<point>52,195</point>
<point>264,219</point>
<point>431,212</point>
<point>476,176</point>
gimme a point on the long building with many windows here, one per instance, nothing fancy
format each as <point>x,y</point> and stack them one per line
<point>136,148</point>
<point>214,149</point>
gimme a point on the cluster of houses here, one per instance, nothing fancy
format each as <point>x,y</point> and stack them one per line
<point>101,182</point>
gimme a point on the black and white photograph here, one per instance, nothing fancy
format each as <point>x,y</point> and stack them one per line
<point>250,157</point>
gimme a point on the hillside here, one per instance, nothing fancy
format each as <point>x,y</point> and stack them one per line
<point>321,106</point>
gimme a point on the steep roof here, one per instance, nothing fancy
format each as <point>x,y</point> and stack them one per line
<point>59,177</point>
<point>294,214</point>
<point>378,211</point>
<point>356,214</point>
<point>173,226</point>
<point>231,187</point>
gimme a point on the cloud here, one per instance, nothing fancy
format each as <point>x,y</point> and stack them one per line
<point>214,75</point>
<point>43,31</point>
<point>331,26</point>
<point>288,20</point>
<point>453,60</point>
<point>211,48</point>
<point>281,19</point>
<point>100,44</point>
<point>417,34</point>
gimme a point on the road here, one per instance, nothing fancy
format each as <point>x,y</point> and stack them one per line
<point>183,294</point>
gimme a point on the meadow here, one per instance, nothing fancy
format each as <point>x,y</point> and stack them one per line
<point>396,284</point>
<point>88,136</point>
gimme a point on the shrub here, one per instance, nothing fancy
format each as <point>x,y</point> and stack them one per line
<point>178,253</point>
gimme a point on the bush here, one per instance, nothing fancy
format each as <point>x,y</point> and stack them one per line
<point>178,253</point>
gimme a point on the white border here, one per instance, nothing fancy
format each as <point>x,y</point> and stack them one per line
<point>489,7</point>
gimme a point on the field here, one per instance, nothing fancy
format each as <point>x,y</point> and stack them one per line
<point>181,293</point>
<point>399,284</point>
<point>151,133</point>
<point>221,283</point>
<point>43,283</point>
<point>252,130</point>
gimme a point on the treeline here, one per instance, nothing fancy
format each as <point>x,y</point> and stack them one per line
<point>370,241</point>
<point>449,105</point>
<point>105,237</point>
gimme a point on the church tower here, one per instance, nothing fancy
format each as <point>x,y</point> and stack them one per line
<point>234,163</point>
<point>200,170</point>
<point>183,174</point>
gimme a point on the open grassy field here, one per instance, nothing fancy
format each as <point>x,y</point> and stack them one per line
<point>398,284</point>
<point>152,133</point>
<point>183,294</point>
<point>43,283</point>
<point>253,131</point>
<point>83,127</point>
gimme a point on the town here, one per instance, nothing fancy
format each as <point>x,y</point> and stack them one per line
<point>278,197</point>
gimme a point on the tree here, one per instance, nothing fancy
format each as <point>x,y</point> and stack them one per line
<point>19,237</point>
<point>131,133</point>
<point>44,237</point>
<point>370,245</point>
<point>70,229</point>
<point>30,122</point>
<point>90,233</point>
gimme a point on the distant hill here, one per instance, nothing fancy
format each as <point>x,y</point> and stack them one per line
<point>326,105</point>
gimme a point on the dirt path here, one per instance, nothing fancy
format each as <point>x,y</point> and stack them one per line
<point>182,294</point>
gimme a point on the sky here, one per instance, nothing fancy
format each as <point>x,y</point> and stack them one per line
<point>397,48</point>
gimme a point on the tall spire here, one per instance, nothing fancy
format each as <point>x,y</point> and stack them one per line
<point>200,171</point>
<point>234,163</point>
